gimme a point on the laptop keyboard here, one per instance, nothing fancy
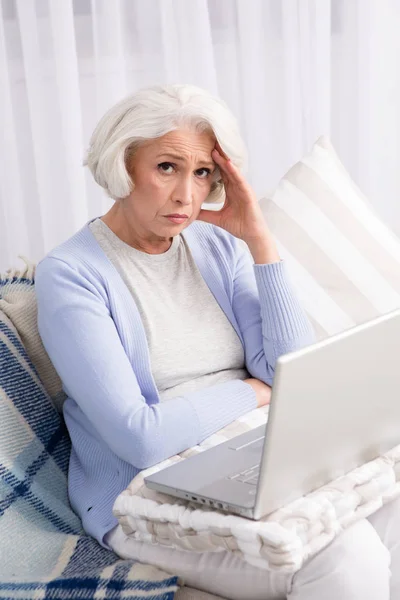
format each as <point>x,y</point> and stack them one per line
<point>249,476</point>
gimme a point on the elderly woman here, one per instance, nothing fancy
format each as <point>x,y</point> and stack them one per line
<point>163,331</point>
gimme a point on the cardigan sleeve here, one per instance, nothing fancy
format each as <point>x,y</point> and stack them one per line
<point>269,314</point>
<point>82,341</point>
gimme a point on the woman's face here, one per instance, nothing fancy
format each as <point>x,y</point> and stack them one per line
<point>172,175</point>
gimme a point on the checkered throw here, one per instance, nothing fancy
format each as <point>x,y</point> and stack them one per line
<point>44,552</point>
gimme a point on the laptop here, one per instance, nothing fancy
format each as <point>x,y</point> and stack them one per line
<point>335,405</point>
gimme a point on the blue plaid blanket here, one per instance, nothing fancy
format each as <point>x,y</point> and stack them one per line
<point>44,552</point>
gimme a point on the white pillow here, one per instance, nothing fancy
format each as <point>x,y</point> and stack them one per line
<point>342,259</point>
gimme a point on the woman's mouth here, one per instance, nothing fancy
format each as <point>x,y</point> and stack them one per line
<point>177,218</point>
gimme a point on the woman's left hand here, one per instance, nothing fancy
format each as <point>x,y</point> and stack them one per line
<point>241,214</point>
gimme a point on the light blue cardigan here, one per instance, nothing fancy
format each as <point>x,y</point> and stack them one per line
<point>92,331</point>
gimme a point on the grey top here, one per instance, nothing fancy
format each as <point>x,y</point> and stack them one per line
<point>192,343</point>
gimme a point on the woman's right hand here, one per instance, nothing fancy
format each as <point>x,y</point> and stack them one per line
<point>262,390</point>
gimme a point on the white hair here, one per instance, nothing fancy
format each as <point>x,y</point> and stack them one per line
<point>151,113</point>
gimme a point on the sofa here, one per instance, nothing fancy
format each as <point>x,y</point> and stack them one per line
<point>345,264</point>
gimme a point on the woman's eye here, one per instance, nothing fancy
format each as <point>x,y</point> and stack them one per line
<point>203,173</point>
<point>166,167</point>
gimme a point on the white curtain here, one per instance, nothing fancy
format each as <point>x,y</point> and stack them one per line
<point>290,70</point>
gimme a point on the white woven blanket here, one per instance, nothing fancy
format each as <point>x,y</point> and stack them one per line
<point>282,541</point>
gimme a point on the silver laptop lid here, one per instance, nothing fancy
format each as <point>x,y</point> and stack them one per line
<point>335,405</point>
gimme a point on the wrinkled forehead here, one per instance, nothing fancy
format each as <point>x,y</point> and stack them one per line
<point>184,144</point>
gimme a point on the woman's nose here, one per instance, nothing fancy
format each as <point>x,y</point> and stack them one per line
<point>184,190</point>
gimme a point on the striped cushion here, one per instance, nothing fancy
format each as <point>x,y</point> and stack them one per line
<point>344,262</point>
<point>18,303</point>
